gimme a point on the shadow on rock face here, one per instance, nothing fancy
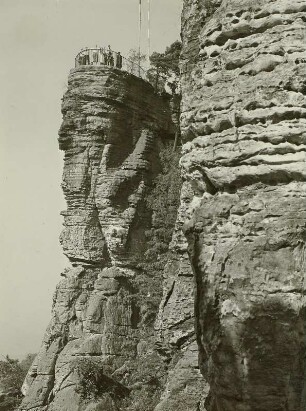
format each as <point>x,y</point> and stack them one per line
<point>274,340</point>
<point>259,365</point>
<point>104,404</point>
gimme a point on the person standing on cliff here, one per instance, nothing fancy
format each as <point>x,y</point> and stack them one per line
<point>118,60</point>
<point>101,55</point>
<point>109,55</point>
<point>95,57</point>
<point>86,57</point>
<point>111,60</point>
<point>105,57</point>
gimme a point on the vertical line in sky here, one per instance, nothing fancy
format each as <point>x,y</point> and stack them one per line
<point>149,28</point>
<point>139,40</point>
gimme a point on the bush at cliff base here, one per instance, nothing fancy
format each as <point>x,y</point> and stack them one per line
<point>12,375</point>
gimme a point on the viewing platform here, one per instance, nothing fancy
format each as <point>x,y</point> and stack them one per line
<point>106,57</point>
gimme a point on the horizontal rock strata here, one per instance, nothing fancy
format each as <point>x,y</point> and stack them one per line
<point>236,260</point>
<point>113,125</point>
<point>243,123</point>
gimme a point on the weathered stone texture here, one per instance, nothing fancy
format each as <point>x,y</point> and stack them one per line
<point>109,135</point>
<point>175,328</point>
<point>243,123</point>
<point>241,224</point>
<point>113,124</point>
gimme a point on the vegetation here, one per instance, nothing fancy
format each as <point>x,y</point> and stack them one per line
<point>137,58</point>
<point>12,375</point>
<point>147,371</point>
<point>164,76</point>
<point>89,376</point>
<point>167,62</point>
<point>163,201</point>
<point>164,66</point>
<point>135,61</point>
<point>93,383</point>
<point>148,381</point>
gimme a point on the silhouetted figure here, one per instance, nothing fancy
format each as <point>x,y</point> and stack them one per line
<point>110,58</point>
<point>86,58</point>
<point>95,57</point>
<point>101,56</point>
<point>118,60</point>
<point>105,58</point>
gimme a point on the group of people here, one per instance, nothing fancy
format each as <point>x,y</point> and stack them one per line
<point>100,56</point>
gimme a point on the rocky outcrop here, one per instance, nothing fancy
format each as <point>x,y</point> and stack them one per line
<point>243,165</point>
<point>229,334</point>
<point>185,389</point>
<point>113,127</point>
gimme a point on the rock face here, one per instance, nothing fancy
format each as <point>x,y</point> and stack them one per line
<point>243,165</point>
<point>232,291</point>
<point>113,127</point>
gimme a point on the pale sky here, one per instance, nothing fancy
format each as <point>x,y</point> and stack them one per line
<point>38,42</point>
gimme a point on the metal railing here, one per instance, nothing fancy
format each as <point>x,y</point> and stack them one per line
<point>107,57</point>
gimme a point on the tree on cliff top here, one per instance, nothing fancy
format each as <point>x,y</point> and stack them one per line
<point>136,58</point>
<point>164,69</point>
<point>135,61</point>
<point>167,62</point>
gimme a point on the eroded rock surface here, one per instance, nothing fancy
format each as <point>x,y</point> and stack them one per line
<point>238,239</point>
<point>243,163</point>
<point>113,126</point>
<point>186,389</point>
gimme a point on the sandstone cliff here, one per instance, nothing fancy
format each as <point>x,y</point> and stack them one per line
<point>114,127</point>
<point>243,164</point>
<point>229,333</point>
